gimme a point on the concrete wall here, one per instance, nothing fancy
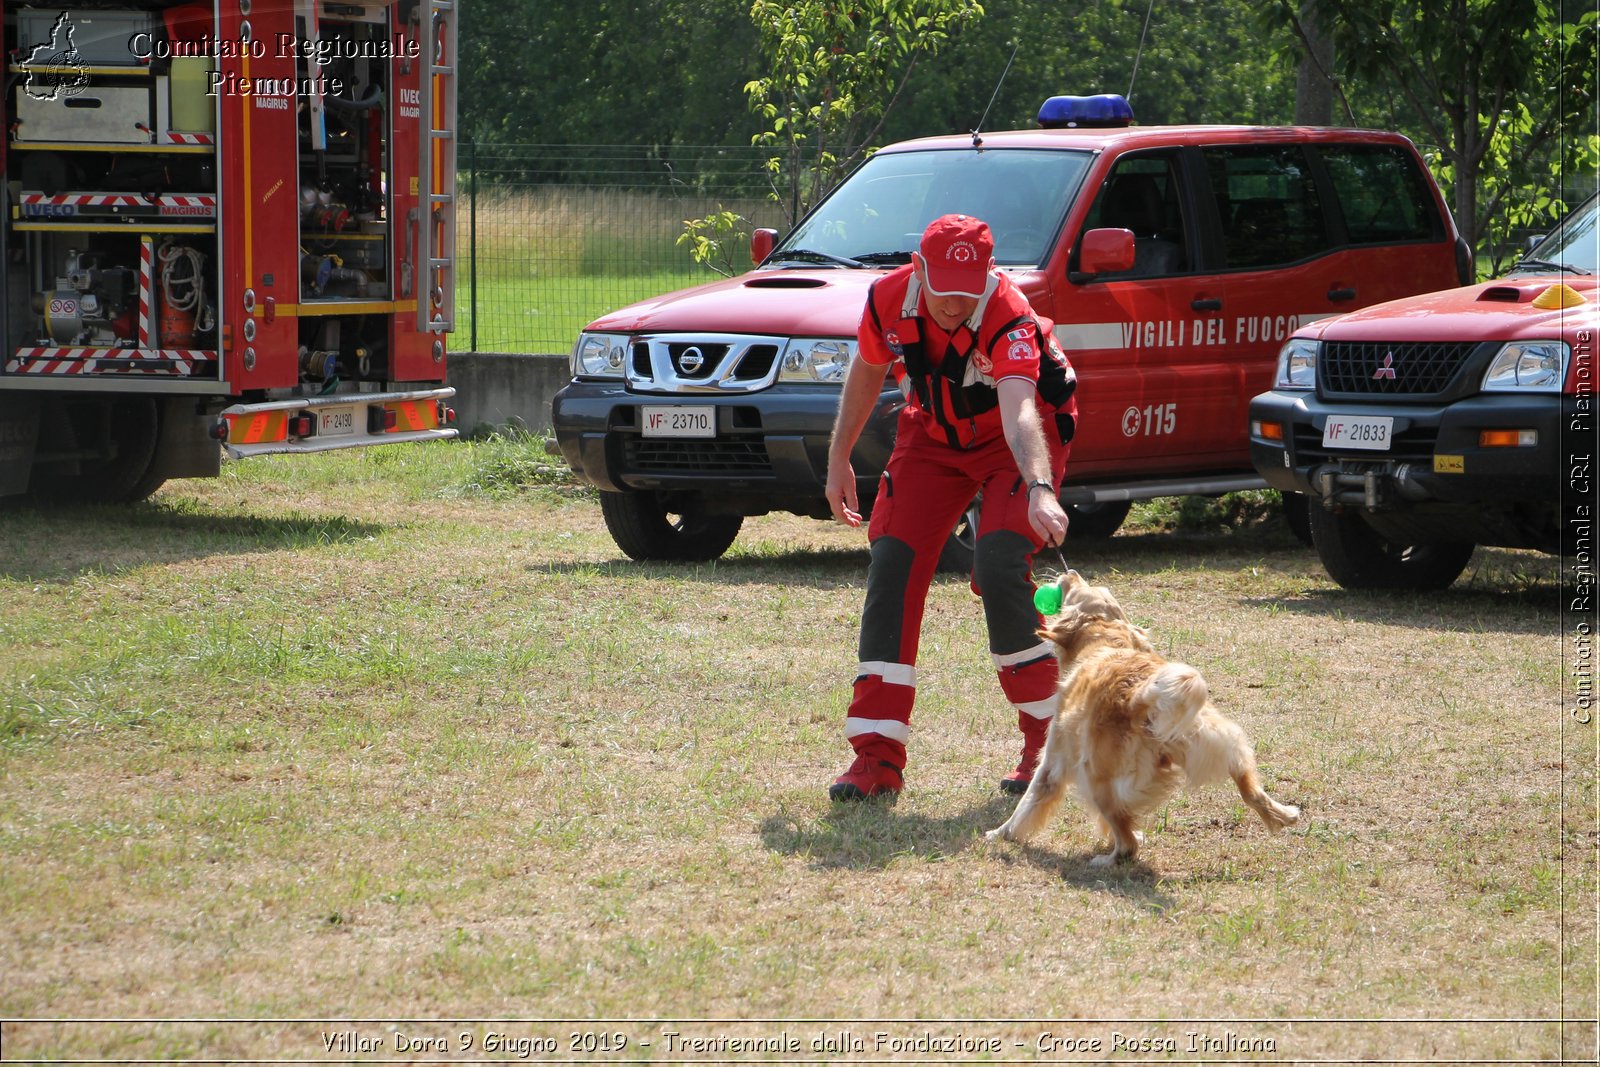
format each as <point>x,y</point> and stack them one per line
<point>497,388</point>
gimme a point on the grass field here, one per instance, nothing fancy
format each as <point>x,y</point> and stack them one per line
<point>366,752</point>
<point>550,259</point>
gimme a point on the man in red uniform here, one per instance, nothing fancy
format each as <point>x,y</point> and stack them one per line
<point>989,409</point>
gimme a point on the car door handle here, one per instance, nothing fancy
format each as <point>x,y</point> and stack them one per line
<point>1207,304</point>
<point>1338,295</point>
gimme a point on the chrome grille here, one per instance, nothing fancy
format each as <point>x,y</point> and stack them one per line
<point>703,363</point>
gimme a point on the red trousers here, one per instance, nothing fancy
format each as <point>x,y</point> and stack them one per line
<point>924,491</point>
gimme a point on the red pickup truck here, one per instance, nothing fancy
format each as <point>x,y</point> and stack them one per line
<point>1422,427</point>
<point>1175,260</point>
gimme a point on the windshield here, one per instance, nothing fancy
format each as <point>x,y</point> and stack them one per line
<point>1575,244</point>
<point>877,216</point>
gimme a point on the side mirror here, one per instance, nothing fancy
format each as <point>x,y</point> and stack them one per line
<point>1106,251</point>
<point>761,244</point>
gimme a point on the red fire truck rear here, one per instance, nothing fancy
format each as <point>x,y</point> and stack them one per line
<point>226,224</point>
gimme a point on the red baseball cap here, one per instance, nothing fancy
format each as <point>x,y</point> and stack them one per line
<point>957,255</point>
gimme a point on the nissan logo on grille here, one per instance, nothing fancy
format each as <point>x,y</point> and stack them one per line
<point>691,359</point>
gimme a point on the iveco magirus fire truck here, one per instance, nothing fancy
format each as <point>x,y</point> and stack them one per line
<point>227,227</point>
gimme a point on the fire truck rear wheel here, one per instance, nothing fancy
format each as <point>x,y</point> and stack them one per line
<point>650,529</point>
<point>1096,522</point>
<point>1358,557</point>
<point>124,431</point>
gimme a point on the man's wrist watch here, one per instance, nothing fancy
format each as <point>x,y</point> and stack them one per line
<point>1039,483</point>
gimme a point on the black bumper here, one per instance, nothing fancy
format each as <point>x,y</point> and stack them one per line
<point>769,452</point>
<point>1436,480</point>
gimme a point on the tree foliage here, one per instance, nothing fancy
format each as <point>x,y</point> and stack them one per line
<point>833,72</point>
<point>1499,94</point>
<point>1502,91</point>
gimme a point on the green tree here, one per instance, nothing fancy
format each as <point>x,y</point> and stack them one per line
<point>1094,47</point>
<point>607,72</point>
<point>834,71</point>
<point>1504,90</point>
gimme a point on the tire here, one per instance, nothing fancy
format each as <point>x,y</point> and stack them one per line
<point>1096,522</point>
<point>1297,516</point>
<point>960,548</point>
<point>127,428</point>
<point>1358,557</point>
<point>650,531</point>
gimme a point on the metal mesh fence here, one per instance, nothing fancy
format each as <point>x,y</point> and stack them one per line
<point>553,236</point>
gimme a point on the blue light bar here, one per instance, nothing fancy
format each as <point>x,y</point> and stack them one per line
<point>1085,112</point>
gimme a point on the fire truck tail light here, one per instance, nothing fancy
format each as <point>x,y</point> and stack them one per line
<point>1508,438</point>
<point>302,425</point>
<point>382,420</point>
<point>255,428</point>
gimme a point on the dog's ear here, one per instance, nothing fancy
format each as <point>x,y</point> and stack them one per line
<point>1065,628</point>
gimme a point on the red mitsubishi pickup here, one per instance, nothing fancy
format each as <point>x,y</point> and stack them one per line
<point>1422,427</point>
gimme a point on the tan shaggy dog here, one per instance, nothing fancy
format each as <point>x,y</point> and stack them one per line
<point>1130,729</point>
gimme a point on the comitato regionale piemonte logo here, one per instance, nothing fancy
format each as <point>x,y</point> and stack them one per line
<point>55,68</point>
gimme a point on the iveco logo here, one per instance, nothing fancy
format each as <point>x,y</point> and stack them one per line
<point>1385,372</point>
<point>691,360</point>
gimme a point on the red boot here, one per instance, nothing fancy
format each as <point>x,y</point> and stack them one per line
<point>876,771</point>
<point>1033,735</point>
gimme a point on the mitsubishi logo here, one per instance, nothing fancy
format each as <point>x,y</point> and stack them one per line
<point>692,359</point>
<point>1385,372</point>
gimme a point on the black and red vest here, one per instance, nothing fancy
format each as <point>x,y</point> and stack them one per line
<point>956,388</point>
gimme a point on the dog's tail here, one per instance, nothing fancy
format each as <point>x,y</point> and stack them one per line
<point>1174,694</point>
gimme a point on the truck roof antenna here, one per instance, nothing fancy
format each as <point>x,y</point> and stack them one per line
<point>977,138</point>
<point>1137,55</point>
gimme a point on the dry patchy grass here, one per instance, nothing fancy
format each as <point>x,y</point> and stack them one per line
<point>358,737</point>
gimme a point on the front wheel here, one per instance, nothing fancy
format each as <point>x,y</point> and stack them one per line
<point>1358,557</point>
<point>649,529</point>
<point>1096,522</point>
<point>1297,515</point>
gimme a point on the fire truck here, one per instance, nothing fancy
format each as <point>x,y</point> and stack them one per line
<point>228,228</point>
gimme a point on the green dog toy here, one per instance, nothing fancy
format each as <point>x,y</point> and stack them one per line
<point>1047,598</point>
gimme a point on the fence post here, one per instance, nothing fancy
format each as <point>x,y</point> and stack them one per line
<point>472,248</point>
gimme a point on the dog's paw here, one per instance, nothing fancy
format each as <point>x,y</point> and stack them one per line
<point>1104,861</point>
<point>997,834</point>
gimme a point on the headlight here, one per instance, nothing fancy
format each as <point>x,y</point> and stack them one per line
<point>816,360</point>
<point>1528,366</point>
<point>1297,364</point>
<point>599,355</point>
